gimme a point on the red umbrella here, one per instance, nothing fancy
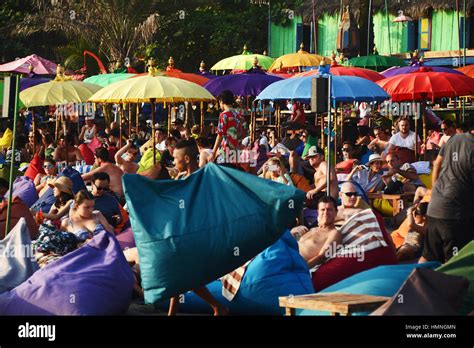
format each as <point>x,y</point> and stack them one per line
<point>347,71</point>
<point>200,80</point>
<point>427,85</point>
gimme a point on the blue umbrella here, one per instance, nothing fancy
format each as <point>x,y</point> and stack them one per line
<point>343,89</point>
<point>247,84</point>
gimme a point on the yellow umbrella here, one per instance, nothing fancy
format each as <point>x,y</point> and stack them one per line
<point>150,88</point>
<point>58,93</point>
<point>290,62</point>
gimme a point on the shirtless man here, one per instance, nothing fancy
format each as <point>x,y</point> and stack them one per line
<point>380,143</point>
<point>73,154</point>
<point>115,173</point>
<point>125,158</point>
<point>319,243</point>
<point>316,160</point>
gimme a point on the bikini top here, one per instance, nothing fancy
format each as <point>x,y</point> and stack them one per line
<point>83,233</point>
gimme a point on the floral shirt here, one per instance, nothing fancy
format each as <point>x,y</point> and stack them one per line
<point>231,127</point>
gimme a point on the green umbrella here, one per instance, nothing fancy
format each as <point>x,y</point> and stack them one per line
<point>243,61</point>
<point>104,80</point>
<point>376,62</point>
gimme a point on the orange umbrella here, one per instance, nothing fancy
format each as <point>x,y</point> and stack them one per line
<point>200,80</point>
<point>467,70</point>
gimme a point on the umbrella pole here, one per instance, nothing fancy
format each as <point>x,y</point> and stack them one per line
<point>169,118</point>
<point>279,121</point>
<point>34,130</point>
<point>423,109</point>
<point>56,132</point>
<point>63,120</point>
<point>137,122</point>
<point>252,118</point>
<point>342,124</point>
<point>201,123</point>
<point>335,136</point>
<point>328,170</point>
<point>129,118</point>
<point>153,129</point>
<point>12,163</point>
<point>322,131</point>
<point>416,136</point>
<point>120,125</point>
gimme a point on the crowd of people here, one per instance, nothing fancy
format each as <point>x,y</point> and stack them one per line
<point>369,161</point>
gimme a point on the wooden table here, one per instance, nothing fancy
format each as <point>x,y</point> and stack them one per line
<point>397,201</point>
<point>336,303</point>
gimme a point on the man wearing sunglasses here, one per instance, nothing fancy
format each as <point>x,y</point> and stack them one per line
<point>104,201</point>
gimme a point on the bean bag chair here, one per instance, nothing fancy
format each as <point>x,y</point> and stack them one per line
<point>383,206</point>
<point>277,271</point>
<point>92,280</point>
<point>176,222</point>
<point>24,188</point>
<point>345,166</point>
<point>35,167</point>
<point>6,139</point>
<point>18,211</point>
<point>126,239</point>
<point>5,172</point>
<point>378,281</point>
<point>463,265</point>
<point>47,199</point>
<point>426,180</point>
<point>427,292</point>
<point>94,144</point>
<point>146,162</point>
<point>16,263</point>
<point>365,247</point>
<point>87,154</point>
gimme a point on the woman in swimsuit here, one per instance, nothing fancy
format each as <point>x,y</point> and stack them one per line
<point>83,221</point>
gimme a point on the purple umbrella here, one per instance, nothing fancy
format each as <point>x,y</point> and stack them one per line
<point>247,84</point>
<point>28,82</point>
<point>414,68</point>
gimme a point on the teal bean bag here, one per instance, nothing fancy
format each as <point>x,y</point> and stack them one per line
<point>193,231</point>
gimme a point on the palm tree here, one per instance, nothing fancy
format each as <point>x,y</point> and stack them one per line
<point>115,27</point>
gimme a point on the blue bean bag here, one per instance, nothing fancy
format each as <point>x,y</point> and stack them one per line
<point>277,271</point>
<point>379,281</point>
<point>193,231</point>
<point>24,188</point>
<point>92,280</point>
<point>16,261</point>
<point>46,201</point>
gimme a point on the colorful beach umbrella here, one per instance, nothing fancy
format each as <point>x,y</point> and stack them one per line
<point>343,89</point>
<point>467,70</point>
<point>296,61</point>
<point>149,88</point>
<point>415,68</point>
<point>104,80</point>
<point>427,85</point>
<point>376,62</point>
<point>199,80</point>
<point>247,84</point>
<point>58,93</point>
<point>243,61</point>
<point>41,66</point>
<point>337,70</point>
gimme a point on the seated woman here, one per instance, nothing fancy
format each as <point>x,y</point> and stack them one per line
<point>369,178</point>
<point>62,191</point>
<point>275,171</point>
<point>41,180</point>
<point>408,238</point>
<point>83,221</point>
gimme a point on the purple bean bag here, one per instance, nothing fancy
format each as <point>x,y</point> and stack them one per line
<point>24,188</point>
<point>92,280</point>
<point>126,239</point>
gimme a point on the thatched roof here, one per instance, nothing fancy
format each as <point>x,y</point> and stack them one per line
<point>412,8</point>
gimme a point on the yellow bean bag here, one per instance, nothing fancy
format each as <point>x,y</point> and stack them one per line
<point>146,162</point>
<point>426,179</point>
<point>383,206</point>
<point>6,139</point>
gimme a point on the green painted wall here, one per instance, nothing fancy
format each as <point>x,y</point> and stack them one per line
<point>444,31</point>
<point>398,34</point>
<point>327,34</point>
<point>283,39</point>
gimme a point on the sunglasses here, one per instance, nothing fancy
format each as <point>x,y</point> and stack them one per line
<point>346,149</point>
<point>48,166</point>
<point>351,194</point>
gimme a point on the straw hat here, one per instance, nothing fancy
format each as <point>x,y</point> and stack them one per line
<point>374,158</point>
<point>63,183</point>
